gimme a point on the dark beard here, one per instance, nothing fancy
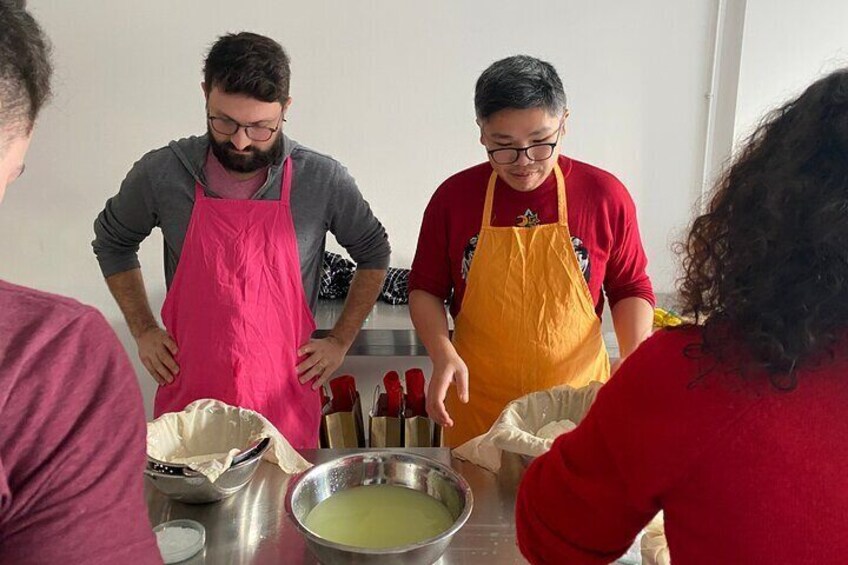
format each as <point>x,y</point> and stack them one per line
<point>246,163</point>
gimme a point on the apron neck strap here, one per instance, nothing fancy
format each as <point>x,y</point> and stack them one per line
<point>285,186</point>
<point>562,206</point>
<point>490,197</point>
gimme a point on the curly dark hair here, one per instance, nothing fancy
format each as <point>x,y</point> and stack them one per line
<point>25,68</point>
<point>767,264</point>
<point>248,63</point>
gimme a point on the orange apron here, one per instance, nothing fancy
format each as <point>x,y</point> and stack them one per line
<point>527,321</point>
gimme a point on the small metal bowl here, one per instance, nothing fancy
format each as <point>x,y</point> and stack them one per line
<point>379,468</point>
<point>178,482</point>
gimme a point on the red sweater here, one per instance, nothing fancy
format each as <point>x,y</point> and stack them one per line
<point>746,474</point>
<point>601,219</point>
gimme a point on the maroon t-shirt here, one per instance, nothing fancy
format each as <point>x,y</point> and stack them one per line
<point>601,220</point>
<point>72,437</point>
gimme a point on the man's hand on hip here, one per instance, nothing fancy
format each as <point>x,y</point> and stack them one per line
<point>157,349</point>
<point>323,357</point>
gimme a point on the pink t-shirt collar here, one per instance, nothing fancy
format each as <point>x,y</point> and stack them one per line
<point>220,181</point>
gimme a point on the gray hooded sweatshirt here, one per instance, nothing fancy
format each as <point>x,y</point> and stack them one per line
<point>159,192</point>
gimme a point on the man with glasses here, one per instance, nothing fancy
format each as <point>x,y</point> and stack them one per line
<point>244,211</point>
<point>522,245</point>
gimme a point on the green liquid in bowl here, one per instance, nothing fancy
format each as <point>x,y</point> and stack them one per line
<point>379,516</point>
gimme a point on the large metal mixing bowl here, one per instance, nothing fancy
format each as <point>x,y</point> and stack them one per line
<point>379,468</point>
<point>181,483</point>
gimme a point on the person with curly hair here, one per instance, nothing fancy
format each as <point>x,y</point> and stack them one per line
<point>735,425</point>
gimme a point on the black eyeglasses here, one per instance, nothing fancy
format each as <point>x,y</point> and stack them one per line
<point>535,152</point>
<point>226,126</point>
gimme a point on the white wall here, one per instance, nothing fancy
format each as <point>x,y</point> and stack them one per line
<point>724,85</point>
<point>385,86</point>
<point>787,45</point>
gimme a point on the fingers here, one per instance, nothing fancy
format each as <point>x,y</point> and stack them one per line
<point>171,345</point>
<point>324,356</point>
<point>307,349</point>
<point>153,373</point>
<point>168,361</point>
<point>316,367</point>
<point>308,363</point>
<point>162,370</point>
<point>156,350</point>
<point>320,372</point>
<point>438,391</point>
<point>436,394</point>
<point>157,370</point>
<point>461,379</point>
<point>329,368</point>
<point>322,378</point>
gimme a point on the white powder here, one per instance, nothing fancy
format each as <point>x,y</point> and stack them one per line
<point>176,539</point>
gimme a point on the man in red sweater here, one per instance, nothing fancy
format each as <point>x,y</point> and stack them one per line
<point>525,246</point>
<point>72,430</point>
<point>736,426</point>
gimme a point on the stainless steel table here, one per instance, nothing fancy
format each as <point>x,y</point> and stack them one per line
<point>388,331</point>
<point>253,527</point>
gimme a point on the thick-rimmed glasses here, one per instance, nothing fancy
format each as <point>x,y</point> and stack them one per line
<point>226,126</point>
<point>535,152</point>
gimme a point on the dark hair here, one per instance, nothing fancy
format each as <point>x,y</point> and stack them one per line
<point>518,82</point>
<point>25,68</point>
<point>767,264</point>
<point>248,63</point>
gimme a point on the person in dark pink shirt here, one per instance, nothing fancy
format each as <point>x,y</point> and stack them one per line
<point>735,426</point>
<point>72,427</point>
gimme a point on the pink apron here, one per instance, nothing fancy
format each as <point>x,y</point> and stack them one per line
<point>238,313</point>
